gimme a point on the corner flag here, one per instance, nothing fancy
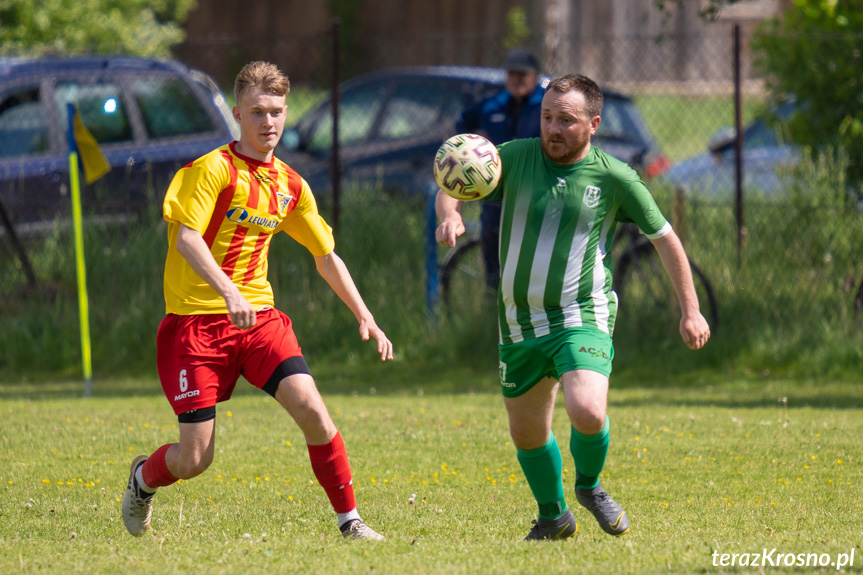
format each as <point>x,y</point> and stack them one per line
<point>82,142</point>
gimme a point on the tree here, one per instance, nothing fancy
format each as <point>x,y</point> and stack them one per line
<point>813,52</point>
<point>71,27</point>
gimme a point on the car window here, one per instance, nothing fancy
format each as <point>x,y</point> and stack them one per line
<point>357,110</point>
<point>101,108</point>
<point>412,109</point>
<point>615,121</point>
<point>218,99</point>
<point>456,100</point>
<point>23,128</point>
<point>169,108</point>
<point>764,134</point>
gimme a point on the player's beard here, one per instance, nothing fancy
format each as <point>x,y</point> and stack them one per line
<point>565,152</point>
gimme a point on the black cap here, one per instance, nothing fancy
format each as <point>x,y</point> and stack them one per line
<point>521,60</point>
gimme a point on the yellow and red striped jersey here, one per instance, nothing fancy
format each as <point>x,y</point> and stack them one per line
<point>237,204</point>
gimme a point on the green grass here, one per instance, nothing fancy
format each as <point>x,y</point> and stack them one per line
<point>732,468</point>
<point>684,125</point>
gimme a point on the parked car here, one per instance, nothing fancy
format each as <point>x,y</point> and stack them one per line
<point>392,122</point>
<point>768,160</point>
<point>150,118</point>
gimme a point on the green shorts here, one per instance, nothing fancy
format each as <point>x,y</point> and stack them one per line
<point>524,364</point>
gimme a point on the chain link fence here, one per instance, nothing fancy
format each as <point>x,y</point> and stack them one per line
<point>683,89</point>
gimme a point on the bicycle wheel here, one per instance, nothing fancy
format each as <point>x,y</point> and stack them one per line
<point>462,280</point>
<point>641,280</point>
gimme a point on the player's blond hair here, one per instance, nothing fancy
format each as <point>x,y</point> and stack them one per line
<point>263,76</point>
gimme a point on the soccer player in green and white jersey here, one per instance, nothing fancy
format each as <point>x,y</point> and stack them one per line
<point>562,199</point>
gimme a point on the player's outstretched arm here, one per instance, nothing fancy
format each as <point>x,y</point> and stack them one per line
<point>335,272</point>
<point>193,248</point>
<point>693,327</point>
<point>449,214</point>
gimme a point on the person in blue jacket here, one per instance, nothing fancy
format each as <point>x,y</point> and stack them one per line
<point>508,115</point>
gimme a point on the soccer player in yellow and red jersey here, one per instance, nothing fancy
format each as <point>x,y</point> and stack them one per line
<point>222,212</point>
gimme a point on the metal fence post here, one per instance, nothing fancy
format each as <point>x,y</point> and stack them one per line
<point>738,148</point>
<point>335,160</point>
<point>431,259</point>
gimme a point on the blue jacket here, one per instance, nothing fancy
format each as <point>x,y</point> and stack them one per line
<point>490,118</point>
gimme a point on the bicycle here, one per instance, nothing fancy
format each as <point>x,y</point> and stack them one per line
<point>858,301</point>
<point>461,272</point>
<point>638,277</point>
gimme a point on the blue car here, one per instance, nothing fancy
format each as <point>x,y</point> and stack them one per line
<point>150,117</point>
<point>393,121</point>
<point>768,161</point>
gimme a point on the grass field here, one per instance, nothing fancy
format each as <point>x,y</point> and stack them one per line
<point>749,445</point>
<point>701,467</point>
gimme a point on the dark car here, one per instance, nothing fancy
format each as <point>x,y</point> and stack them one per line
<point>150,118</point>
<point>768,160</point>
<point>393,121</point>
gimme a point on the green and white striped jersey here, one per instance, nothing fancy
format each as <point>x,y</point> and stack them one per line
<point>557,226</point>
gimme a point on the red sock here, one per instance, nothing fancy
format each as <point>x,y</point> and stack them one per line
<point>331,467</point>
<point>155,470</point>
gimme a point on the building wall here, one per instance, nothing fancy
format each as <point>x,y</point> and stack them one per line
<point>614,41</point>
<point>223,35</point>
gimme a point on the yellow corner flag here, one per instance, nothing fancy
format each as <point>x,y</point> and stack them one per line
<point>95,166</point>
<point>92,158</point>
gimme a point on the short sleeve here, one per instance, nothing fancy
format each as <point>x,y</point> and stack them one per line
<point>193,192</point>
<point>306,225</point>
<point>639,207</point>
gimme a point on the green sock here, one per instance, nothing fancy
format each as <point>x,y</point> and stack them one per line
<point>589,452</point>
<point>543,468</point>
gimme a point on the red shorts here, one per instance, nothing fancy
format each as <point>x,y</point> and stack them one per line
<point>201,357</point>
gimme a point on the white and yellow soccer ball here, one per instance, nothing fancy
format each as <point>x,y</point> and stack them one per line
<point>467,167</point>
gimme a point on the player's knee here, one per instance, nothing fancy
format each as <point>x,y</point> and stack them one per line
<point>525,438</point>
<point>587,419</point>
<point>313,416</point>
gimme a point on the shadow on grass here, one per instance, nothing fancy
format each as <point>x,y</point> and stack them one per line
<point>707,389</point>
<point>742,394</point>
<point>394,378</point>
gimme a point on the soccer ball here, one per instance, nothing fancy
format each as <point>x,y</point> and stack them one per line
<point>467,167</point>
